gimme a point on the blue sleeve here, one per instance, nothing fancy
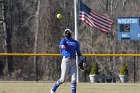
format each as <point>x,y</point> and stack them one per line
<point>62,42</point>
<point>78,49</point>
<point>78,52</point>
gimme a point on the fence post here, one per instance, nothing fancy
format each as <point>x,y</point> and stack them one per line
<point>134,70</point>
<point>85,72</point>
<point>36,69</point>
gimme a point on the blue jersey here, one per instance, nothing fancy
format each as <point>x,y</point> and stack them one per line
<point>72,47</point>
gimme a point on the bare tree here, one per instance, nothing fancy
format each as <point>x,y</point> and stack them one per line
<point>33,27</point>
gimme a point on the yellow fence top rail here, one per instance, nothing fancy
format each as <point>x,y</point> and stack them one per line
<point>43,54</point>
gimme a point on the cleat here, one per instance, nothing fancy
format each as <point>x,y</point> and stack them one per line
<point>51,91</point>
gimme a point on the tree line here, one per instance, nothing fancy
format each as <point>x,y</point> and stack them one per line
<point>31,26</point>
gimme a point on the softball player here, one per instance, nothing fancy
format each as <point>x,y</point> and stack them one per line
<point>68,48</point>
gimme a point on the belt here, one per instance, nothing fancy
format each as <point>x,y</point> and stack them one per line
<point>69,57</point>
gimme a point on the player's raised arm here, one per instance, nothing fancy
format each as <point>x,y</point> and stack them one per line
<point>62,44</point>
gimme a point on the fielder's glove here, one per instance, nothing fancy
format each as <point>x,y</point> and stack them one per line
<point>81,67</point>
<point>82,64</point>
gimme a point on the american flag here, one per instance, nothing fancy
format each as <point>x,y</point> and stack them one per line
<point>94,19</point>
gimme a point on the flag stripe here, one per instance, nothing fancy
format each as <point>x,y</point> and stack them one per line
<point>90,23</point>
<point>104,22</point>
<point>102,17</point>
<point>85,18</point>
<point>100,22</point>
<point>94,19</point>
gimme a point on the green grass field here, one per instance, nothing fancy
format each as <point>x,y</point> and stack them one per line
<point>32,87</point>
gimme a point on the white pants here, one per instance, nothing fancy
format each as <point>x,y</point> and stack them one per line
<point>68,66</point>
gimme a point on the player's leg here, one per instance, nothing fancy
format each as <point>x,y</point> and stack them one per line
<point>73,71</point>
<point>64,72</point>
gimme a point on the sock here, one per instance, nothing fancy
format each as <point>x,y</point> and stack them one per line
<point>57,84</point>
<point>73,87</point>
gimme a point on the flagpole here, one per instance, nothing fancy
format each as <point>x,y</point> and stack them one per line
<point>76,35</point>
